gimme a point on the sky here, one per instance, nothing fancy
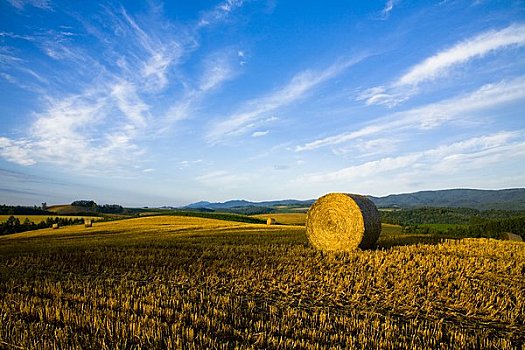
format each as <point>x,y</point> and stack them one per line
<point>151,103</point>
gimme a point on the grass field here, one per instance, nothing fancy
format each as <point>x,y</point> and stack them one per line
<point>38,218</point>
<point>442,227</point>
<point>195,283</point>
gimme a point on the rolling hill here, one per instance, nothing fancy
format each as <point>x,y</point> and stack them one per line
<point>506,199</point>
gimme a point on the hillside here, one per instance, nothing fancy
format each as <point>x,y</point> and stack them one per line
<point>232,204</point>
<point>507,199</point>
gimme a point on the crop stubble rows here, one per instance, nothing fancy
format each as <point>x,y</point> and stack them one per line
<point>197,283</point>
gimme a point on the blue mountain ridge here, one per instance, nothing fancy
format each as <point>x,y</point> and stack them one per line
<point>504,199</point>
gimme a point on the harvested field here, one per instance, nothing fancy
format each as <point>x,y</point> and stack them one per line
<point>285,218</point>
<point>181,282</point>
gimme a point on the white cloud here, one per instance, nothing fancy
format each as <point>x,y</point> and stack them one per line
<point>161,49</point>
<point>260,133</point>
<point>389,6</point>
<point>218,68</point>
<point>16,151</point>
<point>130,103</point>
<point>475,47</point>
<point>188,163</point>
<point>155,70</point>
<point>256,110</point>
<point>83,132</point>
<point>432,115</point>
<point>219,13</point>
<point>363,148</point>
<point>100,121</point>
<point>440,64</point>
<point>471,154</point>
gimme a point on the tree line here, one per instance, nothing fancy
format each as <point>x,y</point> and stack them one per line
<point>13,224</point>
<point>19,210</point>
<point>92,206</point>
<point>470,222</point>
<point>458,216</point>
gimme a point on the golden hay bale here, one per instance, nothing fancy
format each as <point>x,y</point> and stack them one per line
<point>270,221</point>
<point>343,222</point>
<point>88,223</point>
<point>55,226</point>
<point>507,236</point>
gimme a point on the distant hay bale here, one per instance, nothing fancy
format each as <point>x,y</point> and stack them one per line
<point>507,236</point>
<point>270,221</point>
<point>88,223</point>
<point>343,222</point>
<point>55,226</point>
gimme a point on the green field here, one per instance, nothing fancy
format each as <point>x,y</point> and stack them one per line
<point>442,227</point>
<point>194,283</point>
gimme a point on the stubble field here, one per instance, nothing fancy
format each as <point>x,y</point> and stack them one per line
<point>193,283</point>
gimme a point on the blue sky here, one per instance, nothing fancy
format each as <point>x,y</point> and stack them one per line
<point>153,103</point>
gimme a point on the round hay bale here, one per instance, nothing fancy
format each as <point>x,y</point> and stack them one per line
<point>508,236</point>
<point>343,222</point>
<point>55,226</point>
<point>270,221</point>
<point>88,223</point>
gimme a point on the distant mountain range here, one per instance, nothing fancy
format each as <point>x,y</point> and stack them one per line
<point>507,199</point>
<point>242,203</point>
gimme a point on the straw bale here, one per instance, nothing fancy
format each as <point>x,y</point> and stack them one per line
<point>508,236</point>
<point>270,221</point>
<point>55,226</point>
<point>343,222</point>
<point>88,223</point>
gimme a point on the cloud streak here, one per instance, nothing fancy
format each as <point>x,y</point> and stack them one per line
<point>433,115</point>
<point>257,111</point>
<point>41,4</point>
<point>100,124</point>
<point>470,154</point>
<point>440,64</point>
<point>387,9</point>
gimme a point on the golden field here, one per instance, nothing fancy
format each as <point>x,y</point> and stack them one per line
<point>192,283</point>
<point>285,218</point>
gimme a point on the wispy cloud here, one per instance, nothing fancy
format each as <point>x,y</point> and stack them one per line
<point>225,180</point>
<point>20,4</point>
<point>189,163</point>
<point>15,151</point>
<point>99,125</point>
<point>76,132</point>
<point>257,110</point>
<point>440,64</point>
<point>389,6</point>
<point>150,53</point>
<point>260,133</point>
<point>470,154</point>
<point>217,68</point>
<point>129,102</point>
<point>219,13</point>
<point>432,115</point>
